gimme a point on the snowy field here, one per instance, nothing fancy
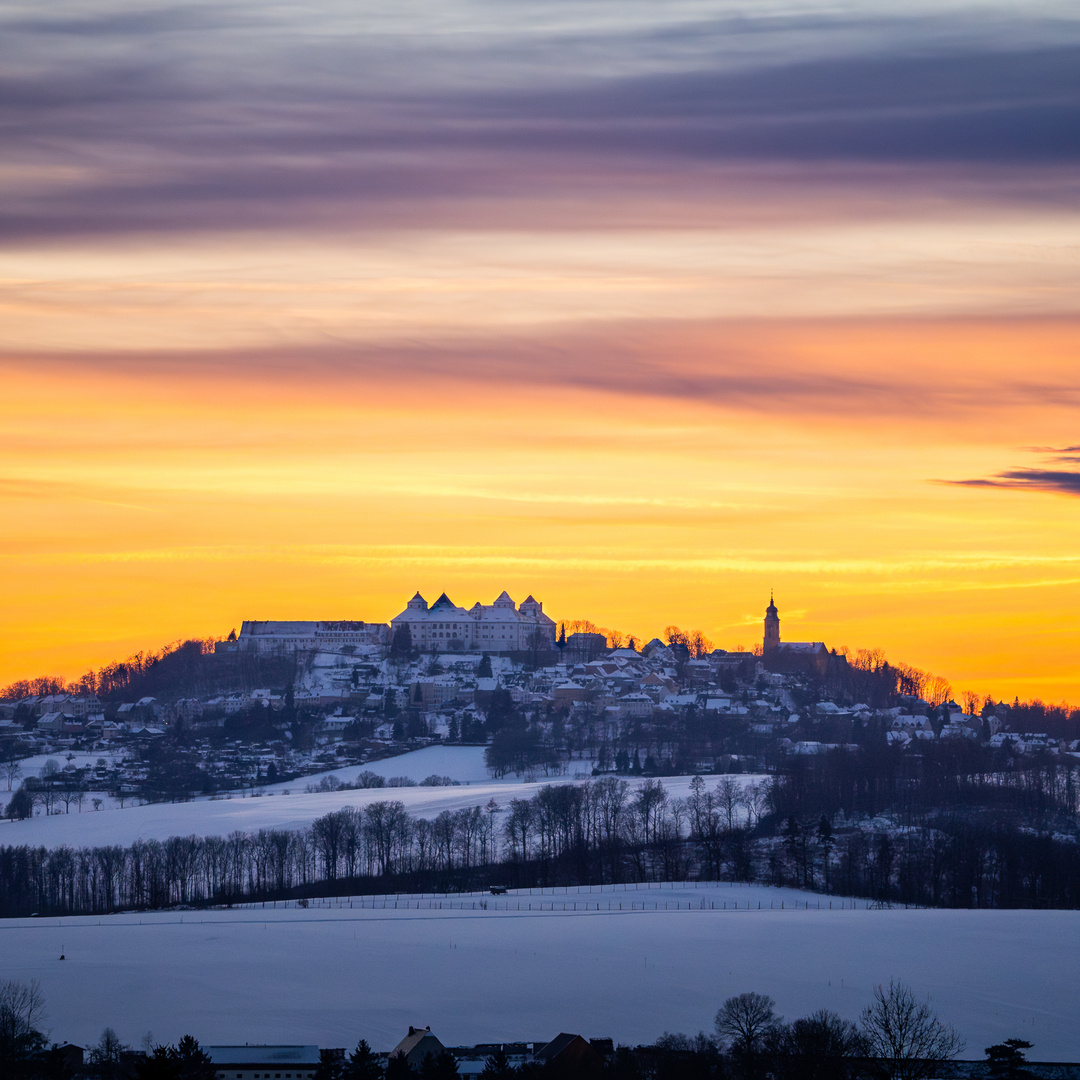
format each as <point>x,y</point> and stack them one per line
<point>80,759</point>
<point>219,817</point>
<point>297,809</point>
<point>331,975</point>
<point>465,764</point>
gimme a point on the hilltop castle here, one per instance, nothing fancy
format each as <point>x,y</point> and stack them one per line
<point>500,627</point>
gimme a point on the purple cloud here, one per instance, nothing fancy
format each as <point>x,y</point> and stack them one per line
<point>1062,481</point>
<point>191,118</point>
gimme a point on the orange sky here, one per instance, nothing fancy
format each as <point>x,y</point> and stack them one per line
<point>645,311</point>
<point>169,502</point>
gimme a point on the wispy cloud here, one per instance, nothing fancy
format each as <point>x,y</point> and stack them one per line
<point>807,368</point>
<point>247,117</point>
<point>1061,480</point>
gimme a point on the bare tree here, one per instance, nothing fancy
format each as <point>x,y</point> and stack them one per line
<point>46,798</point>
<point>69,795</point>
<point>743,1022</point>
<point>756,801</point>
<point>11,768</point>
<point>105,1057</point>
<point>729,795</point>
<point>822,1046</point>
<point>904,1036</point>
<point>22,1008</point>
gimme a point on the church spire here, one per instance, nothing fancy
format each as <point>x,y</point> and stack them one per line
<point>772,627</point>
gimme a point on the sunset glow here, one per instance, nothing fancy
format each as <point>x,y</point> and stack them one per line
<point>644,312</point>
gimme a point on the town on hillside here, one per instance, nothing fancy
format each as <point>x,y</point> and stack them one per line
<point>284,699</point>
<point>792,763</point>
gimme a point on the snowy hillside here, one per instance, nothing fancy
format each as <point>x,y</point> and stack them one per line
<point>465,764</point>
<point>219,817</point>
<point>333,975</point>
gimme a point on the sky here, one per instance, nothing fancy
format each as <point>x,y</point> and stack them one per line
<point>646,310</point>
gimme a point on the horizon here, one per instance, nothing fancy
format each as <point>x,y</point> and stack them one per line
<point>653,308</point>
<point>750,644</point>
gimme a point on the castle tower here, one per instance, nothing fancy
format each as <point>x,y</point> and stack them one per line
<point>772,628</point>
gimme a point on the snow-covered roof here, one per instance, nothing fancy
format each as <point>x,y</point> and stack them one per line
<point>262,1055</point>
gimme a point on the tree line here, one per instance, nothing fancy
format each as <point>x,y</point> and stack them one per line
<point>897,1037</point>
<point>970,827</point>
<point>181,669</point>
<point>786,830</point>
<point>591,833</point>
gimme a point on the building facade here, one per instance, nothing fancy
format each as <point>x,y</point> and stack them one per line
<point>270,636</point>
<point>264,1062</point>
<point>499,627</point>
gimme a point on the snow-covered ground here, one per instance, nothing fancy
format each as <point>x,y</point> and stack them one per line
<point>80,759</point>
<point>333,975</point>
<point>219,817</point>
<point>465,764</point>
<point>289,806</point>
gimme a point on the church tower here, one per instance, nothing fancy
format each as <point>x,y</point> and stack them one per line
<point>772,628</point>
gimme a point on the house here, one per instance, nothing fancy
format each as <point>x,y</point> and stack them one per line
<point>264,1062</point>
<point>472,1060</point>
<point>570,1051</point>
<point>51,722</point>
<point>416,1046</point>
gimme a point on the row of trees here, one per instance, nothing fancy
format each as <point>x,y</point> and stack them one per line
<point>957,774</point>
<point>972,827</point>
<point>949,861</point>
<point>595,832</point>
<point>898,1037</point>
<point>182,669</point>
<point>25,1053</point>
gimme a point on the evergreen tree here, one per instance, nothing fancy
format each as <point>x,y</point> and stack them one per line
<point>159,1064</point>
<point>397,1068</point>
<point>331,1064</point>
<point>363,1064</point>
<point>497,1066</point>
<point>192,1062</point>
<point>401,644</point>
<point>439,1067</point>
